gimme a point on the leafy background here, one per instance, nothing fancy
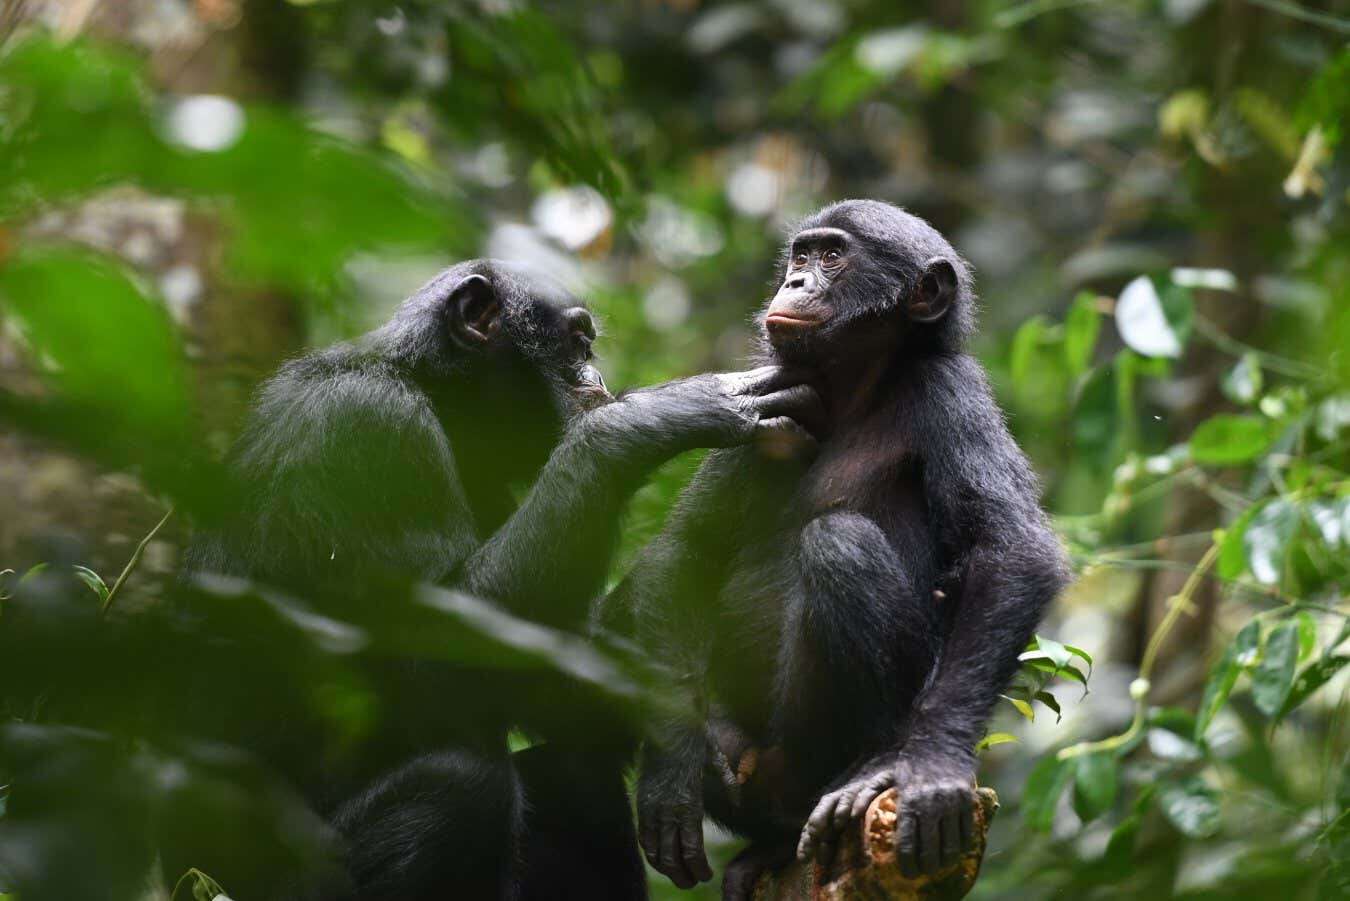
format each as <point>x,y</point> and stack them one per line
<point>1154,195</point>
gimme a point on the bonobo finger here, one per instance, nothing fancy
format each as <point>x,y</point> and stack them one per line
<point>800,402</point>
<point>907,842</point>
<point>691,844</point>
<point>670,862</point>
<point>930,840</point>
<point>781,438</point>
<point>949,831</point>
<point>814,828</point>
<point>864,799</point>
<point>965,821</point>
<point>767,379</point>
<point>649,837</point>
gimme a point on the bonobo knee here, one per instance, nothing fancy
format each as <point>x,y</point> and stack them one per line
<point>448,818</point>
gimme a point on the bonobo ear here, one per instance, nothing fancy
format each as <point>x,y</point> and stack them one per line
<point>474,313</point>
<point>935,291</point>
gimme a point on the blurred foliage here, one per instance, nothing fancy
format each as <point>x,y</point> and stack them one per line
<point>1153,193</point>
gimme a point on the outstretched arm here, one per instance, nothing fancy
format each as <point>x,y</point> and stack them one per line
<point>549,560</point>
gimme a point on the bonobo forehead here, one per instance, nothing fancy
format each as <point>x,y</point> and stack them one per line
<point>883,227</point>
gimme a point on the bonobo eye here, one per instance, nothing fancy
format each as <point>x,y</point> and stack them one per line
<point>832,257</point>
<point>799,260</point>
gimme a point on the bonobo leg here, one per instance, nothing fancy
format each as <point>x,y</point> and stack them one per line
<point>446,825</point>
<point>863,641</point>
<point>580,843</point>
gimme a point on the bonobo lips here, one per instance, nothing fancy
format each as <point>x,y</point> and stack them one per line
<point>790,323</point>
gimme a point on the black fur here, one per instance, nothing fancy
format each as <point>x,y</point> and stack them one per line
<point>849,619</point>
<point>394,457</point>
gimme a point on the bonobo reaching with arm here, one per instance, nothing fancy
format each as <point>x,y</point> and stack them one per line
<point>396,455</point>
<point>848,621</point>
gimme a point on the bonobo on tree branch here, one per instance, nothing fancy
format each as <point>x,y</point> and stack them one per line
<point>396,455</point>
<point>847,622</point>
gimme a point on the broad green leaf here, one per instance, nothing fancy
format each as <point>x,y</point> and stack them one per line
<point>1191,806</point>
<point>1313,677</point>
<point>1050,701</point>
<point>1095,783</point>
<point>1044,786</point>
<point>1118,861</point>
<point>1274,675</point>
<point>1267,540</point>
<point>1332,519</point>
<point>1081,327</point>
<point>996,738</point>
<point>1151,324</point>
<point>1224,676</point>
<point>1229,440</point>
<point>113,349</point>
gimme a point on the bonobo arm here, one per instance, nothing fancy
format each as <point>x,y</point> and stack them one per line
<point>670,592</point>
<point>549,560</point>
<point>984,500</point>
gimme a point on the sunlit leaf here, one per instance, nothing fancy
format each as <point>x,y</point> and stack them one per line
<point>1307,634</point>
<point>1274,674</point>
<point>1168,745</point>
<point>1229,440</point>
<point>1191,806</point>
<point>1022,707</point>
<point>1267,540</point>
<point>996,738</point>
<point>1233,547</point>
<point>1147,324</point>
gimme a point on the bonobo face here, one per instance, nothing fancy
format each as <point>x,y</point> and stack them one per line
<point>528,322</point>
<point>860,278</point>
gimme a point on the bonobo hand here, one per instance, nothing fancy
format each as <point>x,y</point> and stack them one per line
<point>937,809</point>
<point>725,409</point>
<point>670,815</point>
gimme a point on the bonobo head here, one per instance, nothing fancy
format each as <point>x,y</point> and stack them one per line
<point>494,333</point>
<point>864,277</point>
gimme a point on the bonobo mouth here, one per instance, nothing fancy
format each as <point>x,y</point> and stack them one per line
<point>790,325</point>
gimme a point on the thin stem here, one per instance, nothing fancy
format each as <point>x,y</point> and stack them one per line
<point>1273,362</point>
<point>1180,603</point>
<point>131,564</point>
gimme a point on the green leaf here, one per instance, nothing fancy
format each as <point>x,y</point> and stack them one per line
<point>94,581</point>
<point>1166,744</point>
<point>1191,806</point>
<point>1118,861</point>
<point>1050,701</point>
<point>1054,650</point>
<point>1081,327</point>
<point>1307,635</point>
<point>1233,546</point>
<point>1022,707</point>
<point>1230,440</point>
<point>996,738</point>
<point>1274,675</point>
<point>1095,782</point>
<point>1267,540</point>
<point>1313,677</point>
<point>113,349</point>
<point>1044,786</point>
<point>1243,382</point>
<point>1224,676</point>
<point>1080,653</point>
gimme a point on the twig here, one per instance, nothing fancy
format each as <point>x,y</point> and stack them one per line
<point>1139,688</point>
<point>1294,11</point>
<point>131,564</point>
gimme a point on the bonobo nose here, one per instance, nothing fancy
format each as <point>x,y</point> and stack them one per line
<point>579,322</point>
<point>800,281</point>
